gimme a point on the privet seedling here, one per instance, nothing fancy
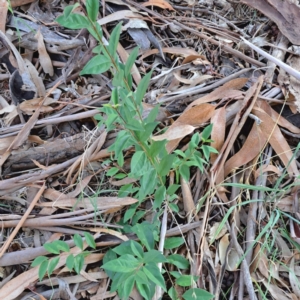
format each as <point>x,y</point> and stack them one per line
<point>134,264</point>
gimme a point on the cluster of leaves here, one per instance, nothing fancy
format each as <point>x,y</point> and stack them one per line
<point>128,265</point>
<point>73,262</point>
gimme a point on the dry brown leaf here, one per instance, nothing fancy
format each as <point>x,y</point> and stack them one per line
<point>160,3</point>
<point>30,106</point>
<point>196,59</point>
<point>252,147</point>
<point>117,16</point>
<point>213,230</point>
<point>44,57</point>
<point>187,197</point>
<point>194,116</point>
<point>171,50</point>
<point>229,89</point>
<point>278,142</point>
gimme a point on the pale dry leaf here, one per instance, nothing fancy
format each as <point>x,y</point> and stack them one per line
<point>187,198</point>
<point>3,14</point>
<point>214,229</point>
<point>117,16</point>
<point>160,3</point>
<point>218,131</point>
<point>175,132</point>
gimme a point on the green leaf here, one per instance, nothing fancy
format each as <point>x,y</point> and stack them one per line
<point>206,132</point>
<point>184,171</point>
<point>112,171</point>
<point>96,33</point>
<point>172,189</point>
<point>179,261</point>
<point>128,286</point>
<point>38,260</point>
<point>154,256</point>
<point>123,248</point>
<point>137,216</point>
<point>134,124</point>
<point>73,21</point>
<point>109,256</point>
<point>153,273</point>
<point>137,249</point>
<point>145,290</point>
<point>114,39</point>
<point>172,293</point>
<point>90,240</point>
<point>142,88</point>
<point>165,165</point>
<point>52,248</point>
<point>180,153</point>
<point>186,280</point>
<point>175,274</point>
<point>174,207</point>
<point>124,264</point>
<point>70,262</point>
<point>195,139</point>
<point>195,294</point>
<point>159,197</point>
<point>130,61</point>
<point>78,241</point>
<point>158,148</point>
<point>43,269</point>
<point>173,242</point>
<point>92,8</point>
<point>148,182</point>
<point>78,263</point>
<point>145,232</point>
<point>97,65</point>
<point>140,277</point>
<point>114,98</point>
<point>61,245</point>
<point>139,164</point>
<point>129,213</point>
<point>52,265</point>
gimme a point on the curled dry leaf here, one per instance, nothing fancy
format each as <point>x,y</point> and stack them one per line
<point>30,106</point>
<point>214,229</point>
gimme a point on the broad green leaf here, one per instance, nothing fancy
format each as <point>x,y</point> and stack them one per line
<point>52,265</point>
<point>109,256</point>
<point>154,256</point>
<point>137,216</point>
<point>92,8</point>
<point>145,232</point>
<point>165,165</point>
<point>97,65</point>
<point>206,132</point>
<point>184,171</point>
<point>137,249</point>
<point>199,162</point>
<point>128,286</point>
<point>148,182</point>
<point>129,213</point>
<point>173,242</point>
<point>78,263</point>
<point>142,88</point>
<point>179,261</point>
<point>180,153</point>
<point>175,274</point>
<point>139,164</point>
<point>112,171</point>
<point>130,61</point>
<point>73,21</point>
<point>144,290</point>
<point>196,139</point>
<point>117,281</point>
<point>174,207</point>
<point>90,240</point>
<point>158,148</point>
<point>43,269</point>
<point>124,264</point>
<point>123,248</point>
<point>134,124</point>
<point>114,98</point>
<point>38,260</point>
<point>70,262</point>
<point>152,115</point>
<point>196,294</point>
<point>172,189</point>
<point>159,197</point>
<point>61,245</point>
<point>114,39</point>
<point>78,241</point>
<point>51,248</point>
<point>96,33</point>
<point>172,293</point>
<point>153,273</point>
<point>140,277</point>
<point>186,280</point>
